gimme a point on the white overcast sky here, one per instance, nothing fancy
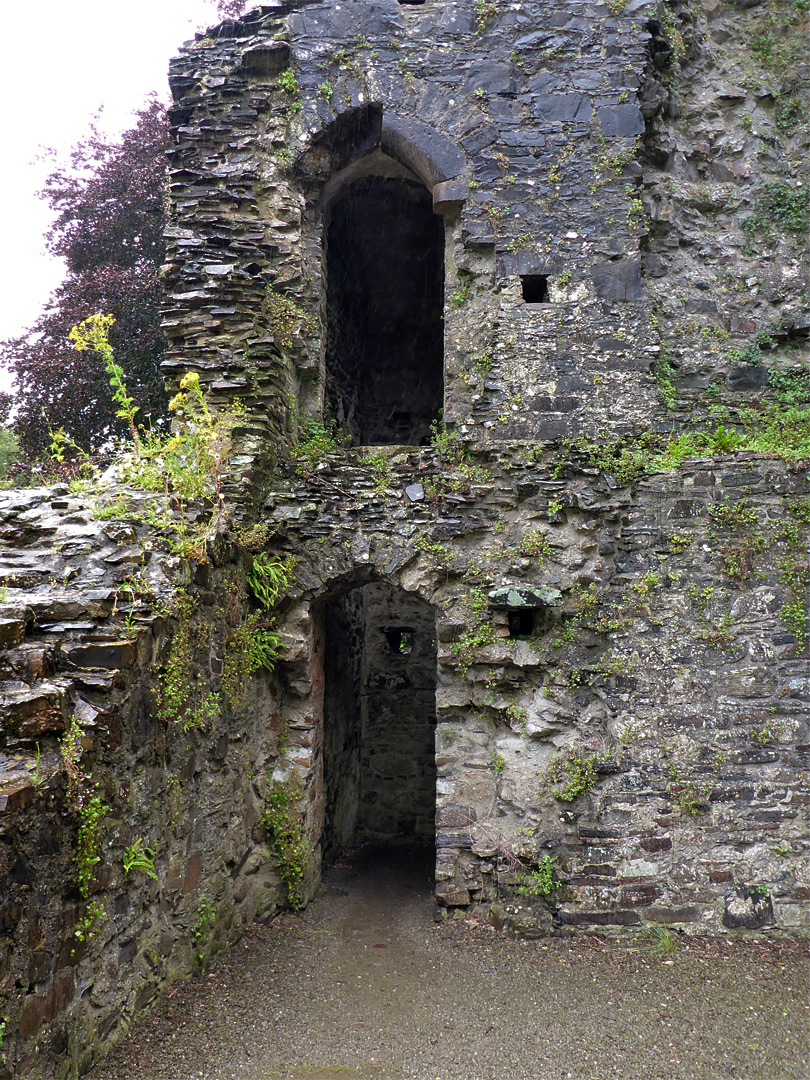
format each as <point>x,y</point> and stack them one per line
<point>62,61</point>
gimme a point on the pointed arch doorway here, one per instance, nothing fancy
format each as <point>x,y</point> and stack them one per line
<point>379,717</point>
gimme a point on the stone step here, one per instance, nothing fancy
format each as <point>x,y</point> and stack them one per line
<point>55,606</point>
<point>30,711</point>
<point>103,653</point>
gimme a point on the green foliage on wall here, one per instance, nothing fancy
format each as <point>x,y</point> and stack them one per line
<point>140,859</point>
<point>92,812</point>
<point>287,321</point>
<point>574,774</point>
<point>316,440</point>
<point>268,576</point>
<point>252,647</point>
<point>183,695</point>
<point>284,822</point>
<point>778,206</point>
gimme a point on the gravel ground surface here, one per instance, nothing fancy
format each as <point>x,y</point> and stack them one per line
<point>363,985</point>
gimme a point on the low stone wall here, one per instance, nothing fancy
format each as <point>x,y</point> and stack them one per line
<point>94,771</point>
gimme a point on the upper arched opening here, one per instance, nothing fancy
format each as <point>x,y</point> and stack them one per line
<point>380,186</point>
<point>429,156</point>
<point>384,268</point>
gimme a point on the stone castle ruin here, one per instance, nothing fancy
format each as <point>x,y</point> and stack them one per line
<point>461,263</point>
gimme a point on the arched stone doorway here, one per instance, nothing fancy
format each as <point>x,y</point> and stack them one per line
<point>379,716</point>
<point>384,268</point>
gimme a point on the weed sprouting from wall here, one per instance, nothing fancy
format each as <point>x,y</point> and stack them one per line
<point>317,440</point>
<point>184,697</point>
<point>252,647</point>
<point>203,932</point>
<point>541,880</point>
<point>140,859</point>
<point>575,773</point>
<point>268,577</point>
<point>479,633</point>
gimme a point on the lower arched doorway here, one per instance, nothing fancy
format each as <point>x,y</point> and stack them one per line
<point>379,717</point>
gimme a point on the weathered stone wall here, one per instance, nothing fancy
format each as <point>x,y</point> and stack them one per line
<point>675,670</point>
<point>725,184</point>
<point>523,124</point>
<point>672,678</point>
<point>90,616</point>
<point>621,677</point>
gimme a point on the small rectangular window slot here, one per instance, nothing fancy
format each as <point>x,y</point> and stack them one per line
<point>521,624</point>
<point>400,639</point>
<point>409,2</point>
<point>535,288</point>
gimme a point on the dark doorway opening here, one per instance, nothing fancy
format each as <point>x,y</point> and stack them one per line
<point>384,253</point>
<point>379,753</point>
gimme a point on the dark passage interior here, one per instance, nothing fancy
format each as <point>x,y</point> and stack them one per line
<point>379,719</point>
<point>384,312</point>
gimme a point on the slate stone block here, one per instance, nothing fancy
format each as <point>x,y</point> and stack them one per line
<point>16,795</point>
<point>702,307</point>
<point>656,843</point>
<point>525,597</point>
<point>639,895</point>
<point>266,60</point>
<point>599,918</point>
<point>621,120</point>
<point>556,108</point>
<point>747,377</point>
<point>32,711</point>
<point>620,280</point>
<point>453,895</point>
<point>12,631</point>
<point>457,816</point>
<point>119,654</point>
<point>479,140</point>
<point>38,1010</point>
<point>422,148</point>
<point>493,77</point>
<point>670,915</point>
<point>545,82</point>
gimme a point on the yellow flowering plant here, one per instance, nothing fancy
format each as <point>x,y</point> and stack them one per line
<point>190,463</point>
<point>94,333</point>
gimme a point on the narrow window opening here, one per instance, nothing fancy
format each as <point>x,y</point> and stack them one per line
<point>535,288</point>
<point>521,624</point>
<point>400,639</point>
<point>411,2</point>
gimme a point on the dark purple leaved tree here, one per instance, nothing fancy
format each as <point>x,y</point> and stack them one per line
<point>110,206</point>
<point>231,9</point>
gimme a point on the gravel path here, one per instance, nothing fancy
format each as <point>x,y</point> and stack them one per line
<point>363,985</point>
